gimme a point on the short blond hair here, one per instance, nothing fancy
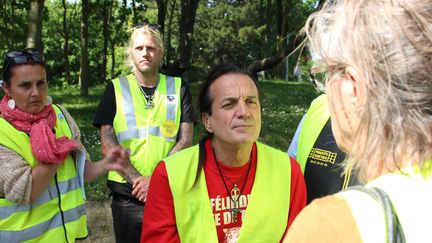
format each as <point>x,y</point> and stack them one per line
<point>144,30</point>
<point>390,43</point>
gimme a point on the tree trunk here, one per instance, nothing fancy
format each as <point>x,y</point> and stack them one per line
<point>187,22</point>
<point>84,75</point>
<point>134,16</point>
<point>272,61</point>
<point>106,13</point>
<point>169,51</point>
<point>113,40</point>
<point>280,31</point>
<point>35,24</point>
<point>269,24</point>
<point>66,43</point>
<point>162,9</point>
<point>9,25</point>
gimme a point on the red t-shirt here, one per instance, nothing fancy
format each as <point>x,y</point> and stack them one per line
<point>159,223</point>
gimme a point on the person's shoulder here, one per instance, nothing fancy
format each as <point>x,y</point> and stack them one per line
<point>327,219</point>
<point>184,81</point>
<point>119,78</point>
<point>179,156</point>
<point>63,110</point>
<point>273,150</point>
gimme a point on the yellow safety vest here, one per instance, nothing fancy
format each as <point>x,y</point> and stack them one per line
<point>149,133</point>
<point>47,219</point>
<point>411,195</point>
<point>316,118</point>
<point>266,215</point>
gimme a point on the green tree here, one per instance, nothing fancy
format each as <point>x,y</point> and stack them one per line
<point>34,30</point>
<point>229,31</point>
<point>84,75</point>
<point>13,24</point>
<point>289,24</point>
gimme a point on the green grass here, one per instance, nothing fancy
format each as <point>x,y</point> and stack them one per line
<point>283,105</point>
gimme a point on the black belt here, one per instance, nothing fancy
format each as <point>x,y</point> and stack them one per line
<point>118,197</point>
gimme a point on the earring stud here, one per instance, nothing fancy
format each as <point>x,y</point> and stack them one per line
<point>11,104</point>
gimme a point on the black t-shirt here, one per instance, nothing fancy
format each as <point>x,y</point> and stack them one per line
<point>324,167</point>
<point>106,111</point>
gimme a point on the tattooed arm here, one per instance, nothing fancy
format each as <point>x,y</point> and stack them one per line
<point>109,140</point>
<point>185,137</point>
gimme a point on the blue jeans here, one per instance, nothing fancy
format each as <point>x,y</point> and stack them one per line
<point>127,218</point>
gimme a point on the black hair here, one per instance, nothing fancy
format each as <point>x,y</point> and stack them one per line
<point>205,100</point>
<point>9,62</point>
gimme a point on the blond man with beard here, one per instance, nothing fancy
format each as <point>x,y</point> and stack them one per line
<point>150,114</point>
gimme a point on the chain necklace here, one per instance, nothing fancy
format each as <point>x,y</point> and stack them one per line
<point>149,98</point>
<point>235,192</point>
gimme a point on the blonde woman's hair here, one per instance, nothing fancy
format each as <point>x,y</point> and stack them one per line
<point>390,43</point>
<point>145,29</point>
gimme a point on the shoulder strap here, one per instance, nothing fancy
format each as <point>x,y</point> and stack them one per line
<point>395,232</point>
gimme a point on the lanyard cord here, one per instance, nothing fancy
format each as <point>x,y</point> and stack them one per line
<point>223,178</point>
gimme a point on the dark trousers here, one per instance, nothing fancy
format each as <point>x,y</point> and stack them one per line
<point>127,218</point>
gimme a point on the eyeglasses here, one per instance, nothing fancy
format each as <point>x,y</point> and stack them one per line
<point>319,74</point>
<point>154,27</point>
<point>21,56</point>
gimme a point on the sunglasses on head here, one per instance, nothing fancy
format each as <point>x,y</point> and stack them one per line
<point>154,27</point>
<point>22,56</point>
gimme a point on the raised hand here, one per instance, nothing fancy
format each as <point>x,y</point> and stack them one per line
<point>117,159</point>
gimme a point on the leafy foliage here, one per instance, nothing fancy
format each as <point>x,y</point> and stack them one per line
<point>224,31</point>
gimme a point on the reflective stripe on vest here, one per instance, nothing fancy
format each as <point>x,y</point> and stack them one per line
<point>70,215</point>
<point>48,195</point>
<point>266,215</point>
<point>133,131</point>
<point>411,195</point>
<point>316,118</point>
<point>140,129</point>
<point>40,221</point>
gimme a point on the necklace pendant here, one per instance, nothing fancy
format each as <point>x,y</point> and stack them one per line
<point>150,103</point>
<point>234,211</point>
<point>235,193</point>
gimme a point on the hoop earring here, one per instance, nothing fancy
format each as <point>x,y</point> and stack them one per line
<point>48,100</point>
<point>11,104</point>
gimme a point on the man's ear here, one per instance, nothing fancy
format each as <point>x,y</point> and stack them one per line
<point>205,117</point>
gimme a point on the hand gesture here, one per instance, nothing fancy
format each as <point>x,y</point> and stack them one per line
<point>117,159</point>
<point>140,188</point>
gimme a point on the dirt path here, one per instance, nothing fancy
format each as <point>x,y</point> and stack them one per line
<point>99,222</point>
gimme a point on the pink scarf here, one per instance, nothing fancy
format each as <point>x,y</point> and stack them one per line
<point>45,146</point>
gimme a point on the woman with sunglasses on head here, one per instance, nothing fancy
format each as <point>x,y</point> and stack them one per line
<point>43,164</point>
<point>378,58</point>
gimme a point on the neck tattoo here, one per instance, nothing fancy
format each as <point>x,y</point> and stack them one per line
<point>235,192</point>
